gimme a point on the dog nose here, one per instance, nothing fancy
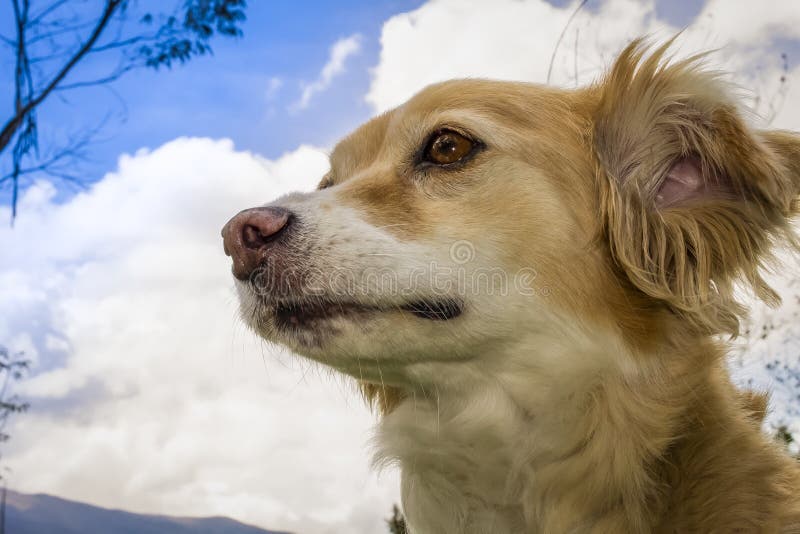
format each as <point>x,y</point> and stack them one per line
<point>248,236</point>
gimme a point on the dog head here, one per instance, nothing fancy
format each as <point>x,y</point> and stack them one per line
<point>482,218</point>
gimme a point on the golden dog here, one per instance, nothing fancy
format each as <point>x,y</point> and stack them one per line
<point>531,284</point>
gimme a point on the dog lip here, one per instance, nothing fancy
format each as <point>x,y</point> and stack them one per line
<point>442,310</point>
<point>306,314</point>
<point>299,314</point>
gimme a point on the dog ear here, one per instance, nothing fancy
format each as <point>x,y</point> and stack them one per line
<point>693,200</point>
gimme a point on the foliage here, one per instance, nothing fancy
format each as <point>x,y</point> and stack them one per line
<point>189,37</point>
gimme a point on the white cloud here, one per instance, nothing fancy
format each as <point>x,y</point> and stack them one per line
<point>504,39</point>
<point>274,85</point>
<point>165,403</point>
<point>340,52</point>
<point>741,23</point>
<point>514,40</point>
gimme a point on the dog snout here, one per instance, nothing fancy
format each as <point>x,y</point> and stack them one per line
<point>250,237</point>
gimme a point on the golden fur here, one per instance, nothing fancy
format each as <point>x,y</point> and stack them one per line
<point>602,403</point>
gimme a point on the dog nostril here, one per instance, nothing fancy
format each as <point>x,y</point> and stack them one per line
<point>253,237</point>
<point>246,236</point>
<point>260,226</point>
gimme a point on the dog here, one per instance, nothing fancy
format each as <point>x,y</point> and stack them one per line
<point>534,287</point>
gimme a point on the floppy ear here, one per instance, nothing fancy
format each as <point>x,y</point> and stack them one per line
<point>692,199</point>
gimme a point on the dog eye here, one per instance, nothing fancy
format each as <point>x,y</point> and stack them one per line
<point>447,146</point>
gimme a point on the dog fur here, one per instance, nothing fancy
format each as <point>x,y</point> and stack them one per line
<point>598,399</point>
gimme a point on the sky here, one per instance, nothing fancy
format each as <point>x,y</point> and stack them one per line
<point>247,91</point>
<point>147,392</point>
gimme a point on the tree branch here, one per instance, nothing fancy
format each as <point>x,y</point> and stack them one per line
<point>61,28</point>
<point>46,11</point>
<point>63,158</point>
<point>99,81</point>
<point>16,121</point>
<point>21,75</point>
<point>561,38</point>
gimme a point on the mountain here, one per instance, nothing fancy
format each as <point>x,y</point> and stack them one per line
<point>44,514</point>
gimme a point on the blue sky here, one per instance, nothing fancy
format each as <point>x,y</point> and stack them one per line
<point>228,94</point>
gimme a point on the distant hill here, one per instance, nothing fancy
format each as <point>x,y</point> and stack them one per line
<point>43,514</point>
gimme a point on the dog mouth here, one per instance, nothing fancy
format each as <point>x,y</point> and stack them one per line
<point>308,314</point>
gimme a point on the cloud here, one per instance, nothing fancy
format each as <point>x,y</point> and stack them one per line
<point>514,40</point>
<point>340,52</point>
<point>274,85</point>
<point>506,39</point>
<point>161,401</point>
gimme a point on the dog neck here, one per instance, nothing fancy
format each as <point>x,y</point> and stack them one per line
<point>529,444</point>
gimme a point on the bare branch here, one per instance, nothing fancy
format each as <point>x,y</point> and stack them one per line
<point>121,44</point>
<point>12,367</point>
<point>61,29</point>
<point>99,81</point>
<point>561,37</point>
<point>22,91</point>
<point>575,56</point>
<point>39,18</point>
<point>16,121</point>
<point>776,103</point>
<point>58,162</point>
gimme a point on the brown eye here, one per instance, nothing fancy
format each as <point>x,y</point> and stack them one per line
<point>447,147</point>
